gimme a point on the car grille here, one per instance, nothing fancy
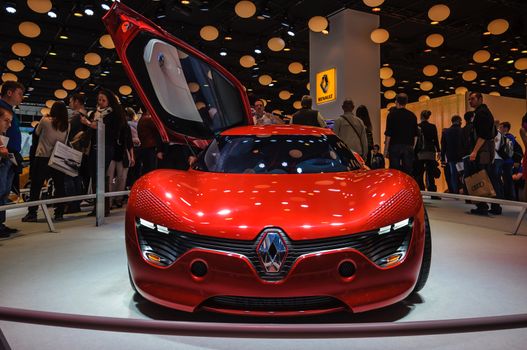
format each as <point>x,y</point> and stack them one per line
<point>273,304</point>
<point>174,244</point>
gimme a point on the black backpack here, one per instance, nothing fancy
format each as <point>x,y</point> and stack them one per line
<point>506,148</point>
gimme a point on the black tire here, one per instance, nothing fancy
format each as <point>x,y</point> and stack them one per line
<point>427,258</point>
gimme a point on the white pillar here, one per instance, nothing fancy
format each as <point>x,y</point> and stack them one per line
<point>349,49</point>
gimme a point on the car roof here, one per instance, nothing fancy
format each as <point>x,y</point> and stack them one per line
<point>276,130</point>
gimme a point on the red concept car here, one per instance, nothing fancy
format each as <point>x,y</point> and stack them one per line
<point>270,220</point>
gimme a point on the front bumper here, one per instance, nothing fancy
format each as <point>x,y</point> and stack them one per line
<point>312,285</point>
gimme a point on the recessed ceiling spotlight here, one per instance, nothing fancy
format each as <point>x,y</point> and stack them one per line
<point>258,51</point>
<point>52,53</point>
<point>428,50</point>
<point>52,13</point>
<point>64,37</point>
<point>510,61</point>
<point>287,49</point>
<point>37,78</point>
<point>105,7</point>
<point>376,9</point>
<point>10,7</point>
<point>88,10</point>
<point>228,37</point>
<point>486,33</point>
<point>290,32</point>
<point>78,14</point>
<point>514,49</point>
<point>434,22</point>
<point>223,52</point>
<point>496,59</point>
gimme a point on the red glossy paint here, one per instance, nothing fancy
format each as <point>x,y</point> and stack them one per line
<point>241,206</point>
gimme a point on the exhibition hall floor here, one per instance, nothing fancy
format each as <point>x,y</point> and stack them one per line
<point>478,269</point>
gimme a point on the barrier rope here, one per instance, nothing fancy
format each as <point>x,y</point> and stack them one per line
<point>284,331</point>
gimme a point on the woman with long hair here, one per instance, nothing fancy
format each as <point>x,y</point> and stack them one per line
<point>362,113</point>
<point>52,128</point>
<point>109,112</point>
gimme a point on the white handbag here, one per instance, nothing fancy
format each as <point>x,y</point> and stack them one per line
<point>65,158</point>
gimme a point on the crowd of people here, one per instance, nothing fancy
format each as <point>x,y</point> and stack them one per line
<point>133,147</point>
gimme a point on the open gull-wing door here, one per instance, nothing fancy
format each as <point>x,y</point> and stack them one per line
<point>186,92</point>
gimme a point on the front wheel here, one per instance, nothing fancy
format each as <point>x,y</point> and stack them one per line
<point>427,258</point>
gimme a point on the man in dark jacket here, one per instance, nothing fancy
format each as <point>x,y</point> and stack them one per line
<point>427,155</point>
<point>452,152</point>
<point>401,136</point>
<point>308,116</point>
<point>482,155</point>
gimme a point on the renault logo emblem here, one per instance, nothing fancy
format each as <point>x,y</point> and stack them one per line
<point>272,250</point>
<point>324,83</point>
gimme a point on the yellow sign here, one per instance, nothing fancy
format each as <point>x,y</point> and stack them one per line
<point>326,86</point>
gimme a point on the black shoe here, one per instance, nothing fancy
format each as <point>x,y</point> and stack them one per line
<point>4,234</point>
<point>30,218</point>
<point>481,212</point>
<point>495,211</point>
<point>9,230</point>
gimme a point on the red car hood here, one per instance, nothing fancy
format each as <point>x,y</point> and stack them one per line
<point>305,206</point>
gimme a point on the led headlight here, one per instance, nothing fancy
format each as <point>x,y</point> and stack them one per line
<point>395,243</point>
<point>155,243</point>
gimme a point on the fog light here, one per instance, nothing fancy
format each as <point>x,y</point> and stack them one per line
<point>198,268</point>
<point>347,269</point>
<point>393,259</point>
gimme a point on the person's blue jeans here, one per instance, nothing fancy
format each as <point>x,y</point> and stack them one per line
<point>7,172</point>
<point>452,177</point>
<point>402,158</point>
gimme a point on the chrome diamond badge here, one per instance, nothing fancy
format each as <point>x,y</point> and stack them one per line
<point>272,251</point>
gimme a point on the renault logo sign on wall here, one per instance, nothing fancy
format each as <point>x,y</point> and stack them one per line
<point>326,86</point>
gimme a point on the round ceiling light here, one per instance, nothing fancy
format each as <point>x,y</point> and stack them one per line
<point>49,103</point>
<point>45,111</point>
<point>494,93</point>
<point>385,72</point>
<point>9,76</point>
<point>379,35</point>
<point>469,75</point>
<point>125,90</point>
<point>434,40</point>
<point>388,82</point>
<point>21,49</point>
<point>498,26</point>
<point>423,98</point>
<point>40,6</point>
<point>106,41</point>
<point>284,95</point>
<point>461,90</point>
<point>297,105</point>
<point>430,70</point>
<point>276,44</point>
<point>373,3</point>
<point>15,65</point>
<point>438,12</point>
<point>69,84</point>
<point>506,81</point>
<point>82,73</point>
<point>318,23</point>
<point>92,58</point>
<point>193,87</point>
<point>247,61</point>
<point>521,64</point>
<point>481,56</point>
<point>209,33</point>
<point>60,93</point>
<point>308,87</point>
<point>426,85</point>
<point>389,94</point>
<point>295,67</point>
<point>29,29</point>
<point>245,9</point>
<point>265,79</point>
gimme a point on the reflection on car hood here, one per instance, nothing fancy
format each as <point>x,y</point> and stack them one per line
<point>305,206</point>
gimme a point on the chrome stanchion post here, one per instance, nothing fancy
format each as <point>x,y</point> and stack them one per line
<point>101,174</point>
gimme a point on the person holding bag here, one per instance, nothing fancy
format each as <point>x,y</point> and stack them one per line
<point>51,129</point>
<point>482,154</point>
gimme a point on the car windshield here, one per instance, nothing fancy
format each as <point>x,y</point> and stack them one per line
<point>277,154</point>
